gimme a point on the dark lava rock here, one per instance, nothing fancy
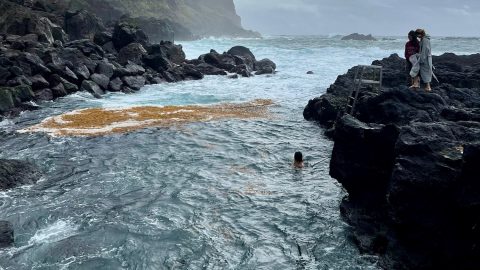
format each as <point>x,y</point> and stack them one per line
<point>133,52</point>
<point>11,97</point>
<point>134,82</point>
<point>102,38</point>
<point>6,234</point>
<point>38,82</point>
<point>310,72</point>
<point>82,72</point>
<point>106,69</point>
<point>242,51</point>
<point>14,173</point>
<point>19,20</point>
<point>265,70</point>
<point>406,159</point>
<point>265,64</point>
<point>101,80</point>
<point>82,24</point>
<point>44,94</point>
<point>59,91</point>
<point>131,69</point>
<point>157,62</point>
<point>357,36</point>
<point>115,85</point>
<point>92,88</point>
<point>124,34</point>
<point>208,69</point>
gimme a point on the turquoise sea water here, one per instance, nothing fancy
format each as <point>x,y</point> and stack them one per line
<point>214,195</point>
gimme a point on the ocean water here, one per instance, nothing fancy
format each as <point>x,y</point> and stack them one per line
<point>211,195</point>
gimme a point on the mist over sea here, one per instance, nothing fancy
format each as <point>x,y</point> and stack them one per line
<point>211,195</point>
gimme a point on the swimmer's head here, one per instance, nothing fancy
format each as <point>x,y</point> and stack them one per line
<point>298,157</point>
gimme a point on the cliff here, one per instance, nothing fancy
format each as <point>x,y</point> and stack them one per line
<point>409,162</point>
<point>202,18</point>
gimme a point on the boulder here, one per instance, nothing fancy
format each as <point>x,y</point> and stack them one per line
<point>82,72</point>
<point>157,62</point>
<point>44,94</point>
<point>243,70</point>
<point>101,80</point>
<point>265,70</point>
<point>7,101</point>
<point>6,234</point>
<point>115,85</point>
<point>102,38</point>
<point>82,24</point>
<point>124,34</point>
<point>134,82</point>
<point>242,51</point>
<point>14,173</point>
<point>20,80</point>
<point>19,20</point>
<point>208,69</point>
<point>59,91</point>
<point>92,88</point>
<point>39,82</point>
<point>131,69</point>
<point>265,64</point>
<point>106,69</point>
<point>133,52</point>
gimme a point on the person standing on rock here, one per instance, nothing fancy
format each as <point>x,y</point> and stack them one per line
<point>424,67</point>
<point>412,47</point>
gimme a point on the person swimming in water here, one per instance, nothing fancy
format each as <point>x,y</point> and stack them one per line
<point>298,160</point>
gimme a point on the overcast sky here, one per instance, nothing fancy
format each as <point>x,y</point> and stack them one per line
<point>378,17</point>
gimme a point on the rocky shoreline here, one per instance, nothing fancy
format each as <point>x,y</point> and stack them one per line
<point>409,162</point>
<point>46,54</point>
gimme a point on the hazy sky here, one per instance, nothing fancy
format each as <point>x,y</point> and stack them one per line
<point>378,17</point>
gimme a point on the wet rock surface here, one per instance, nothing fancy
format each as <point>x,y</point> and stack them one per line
<point>6,234</point>
<point>406,158</point>
<point>14,173</point>
<point>41,61</point>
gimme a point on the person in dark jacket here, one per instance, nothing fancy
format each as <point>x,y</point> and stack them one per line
<point>411,48</point>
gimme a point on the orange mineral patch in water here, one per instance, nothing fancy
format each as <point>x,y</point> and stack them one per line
<point>101,121</point>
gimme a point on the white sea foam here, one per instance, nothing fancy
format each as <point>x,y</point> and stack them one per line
<point>59,230</point>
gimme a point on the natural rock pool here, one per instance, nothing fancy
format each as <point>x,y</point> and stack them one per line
<point>220,194</point>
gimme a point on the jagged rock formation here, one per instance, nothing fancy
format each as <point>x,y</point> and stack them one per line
<point>14,173</point>
<point>357,36</point>
<point>409,162</point>
<point>202,18</point>
<point>40,61</point>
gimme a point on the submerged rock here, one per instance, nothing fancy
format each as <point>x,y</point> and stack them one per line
<point>14,173</point>
<point>6,234</point>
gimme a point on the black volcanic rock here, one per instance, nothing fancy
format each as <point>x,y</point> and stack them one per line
<point>406,159</point>
<point>14,173</point>
<point>82,24</point>
<point>38,62</point>
<point>242,51</point>
<point>357,36</point>
<point>124,34</point>
<point>133,52</point>
<point>6,234</point>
